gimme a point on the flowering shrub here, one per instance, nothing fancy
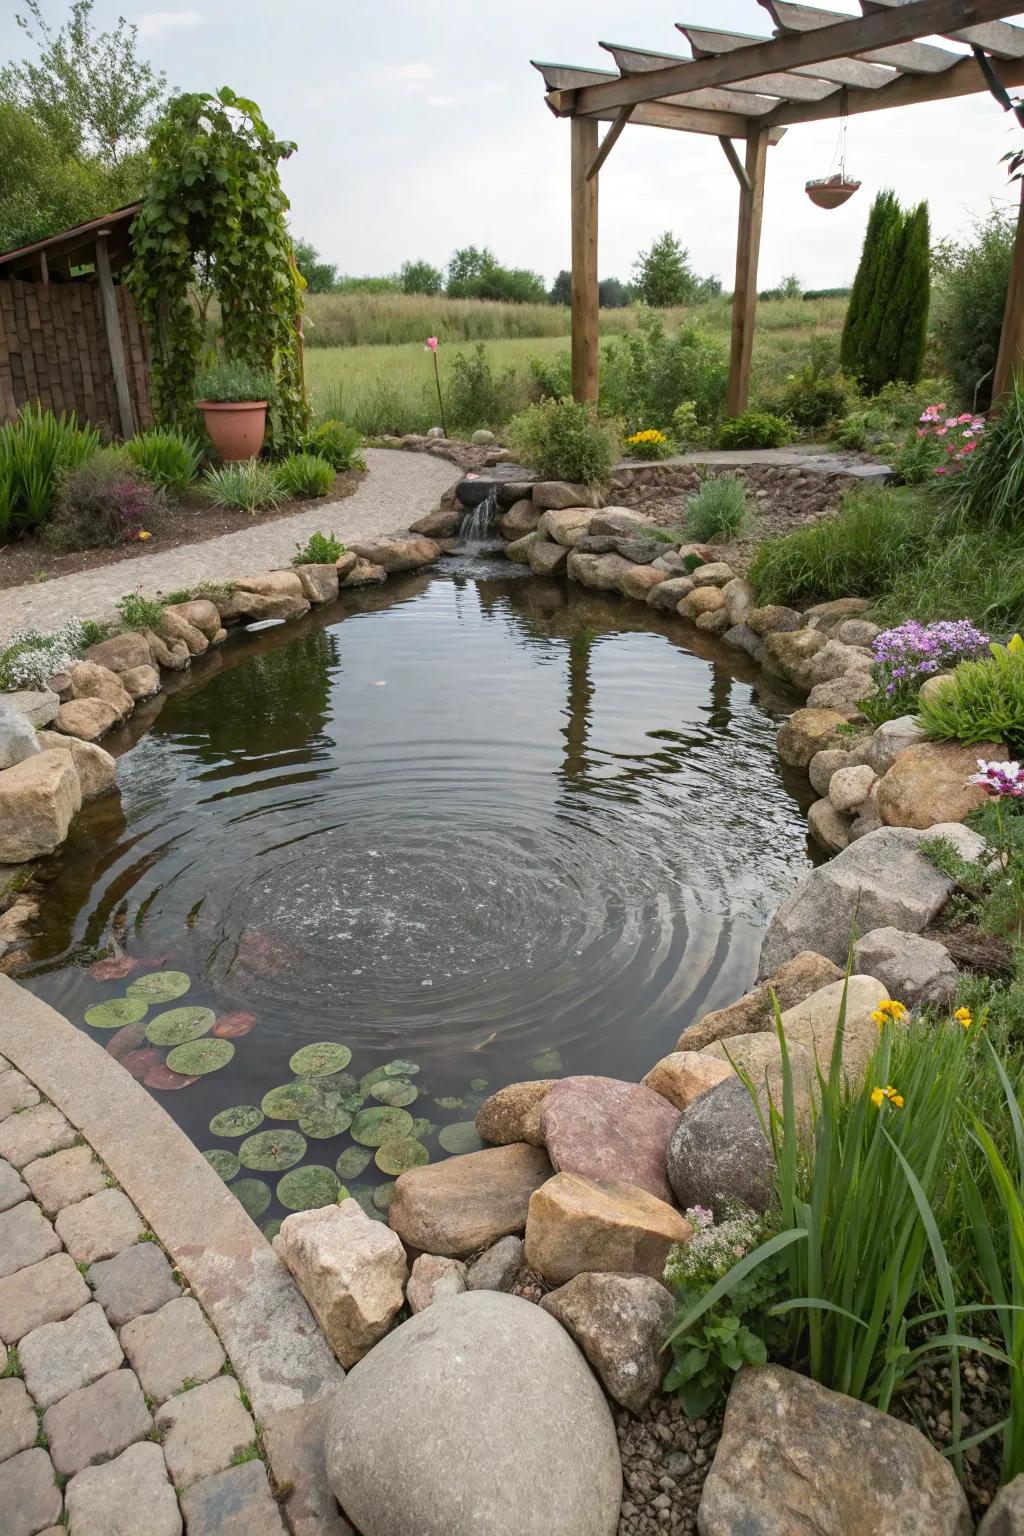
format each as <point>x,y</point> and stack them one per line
<point>106,501</point>
<point>940,444</point>
<point>649,444</point>
<point>29,658</point>
<point>910,653</point>
<point>999,779</point>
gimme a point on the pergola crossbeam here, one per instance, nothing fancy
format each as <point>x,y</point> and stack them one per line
<point>708,43</point>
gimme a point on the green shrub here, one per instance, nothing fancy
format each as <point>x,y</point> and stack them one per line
<point>139,612</point>
<point>339,444</point>
<point>970,296</point>
<point>982,701</point>
<point>647,374</point>
<point>476,396</point>
<point>917,458</point>
<point>720,509</point>
<point>550,377</point>
<point>246,487</point>
<point>565,440</point>
<point>303,474</point>
<point>855,554</point>
<point>816,394</point>
<point>686,429</point>
<point>755,429</point>
<point>988,488</point>
<point>319,549</point>
<point>229,381</point>
<point>170,459</point>
<point>35,451</point>
<point>106,501</point>
<point>956,573</point>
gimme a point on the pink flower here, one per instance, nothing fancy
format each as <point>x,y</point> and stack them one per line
<point>431,343</point>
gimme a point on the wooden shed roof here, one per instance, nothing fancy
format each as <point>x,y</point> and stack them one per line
<point>61,250</point>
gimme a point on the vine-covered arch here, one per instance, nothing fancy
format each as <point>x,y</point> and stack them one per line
<point>214,201</point>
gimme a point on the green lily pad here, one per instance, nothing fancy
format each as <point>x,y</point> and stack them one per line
<point>290,1100</point>
<point>272,1151</point>
<point>373,1127</point>
<point>374,1075</point>
<point>383,1195</point>
<point>395,1068</point>
<point>364,1197</point>
<point>239,1120</point>
<point>325,1120</point>
<point>352,1162</point>
<point>308,1187</point>
<point>159,986</point>
<point>460,1137</point>
<point>199,1057</point>
<point>353,1102</point>
<point>548,1063</point>
<point>397,1091</point>
<point>401,1154</point>
<point>223,1162</point>
<point>479,1085</point>
<point>343,1194</point>
<point>422,1127</point>
<point>117,1012</point>
<point>449,1102</point>
<point>271,1228</point>
<point>253,1195</point>
<point>320,1059</point>
<point>178,1025</point>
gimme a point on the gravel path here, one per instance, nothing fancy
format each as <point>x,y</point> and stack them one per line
<point>398,488</point>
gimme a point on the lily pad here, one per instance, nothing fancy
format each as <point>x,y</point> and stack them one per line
<point>253,1195</point>
<point>271,1228</point>
<point>199,1057</point>
<point>230,1026</point>
<point>548,1063</point>
<point>139,1063</point>
<point>400,1155</point>
<point>304,1189</point>
<point>383,1195</point>
<point>127,1039</point>
<point>449,1102</point>
<point>164,1080</point>
<point>368,1079</point>
<point>223,1162</point>
<point>400,1069</point>
<point>325,1120</point>
<point>479,1085</point>
<point>290,1100</point>
<point>422,1127</point>
<point>373,1127</point>
<point>352,1162</point>
<point>397,1091</point>
<point>116,1013</point>
<point>114,968</point>
<point>364,1197</point>
<point>179,1025</point>
<point>160,986</point>
<point>272,1151</point>
<point>239,1120</point>
<point>320,1059</point>
<point>460,1137</point>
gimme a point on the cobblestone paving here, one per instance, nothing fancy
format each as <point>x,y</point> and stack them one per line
<point>118,1415</point>
<point>398,488</point>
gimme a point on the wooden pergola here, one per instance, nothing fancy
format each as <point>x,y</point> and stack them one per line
<point>746,91</point>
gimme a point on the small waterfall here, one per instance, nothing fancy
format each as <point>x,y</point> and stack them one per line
<point>477,533</point>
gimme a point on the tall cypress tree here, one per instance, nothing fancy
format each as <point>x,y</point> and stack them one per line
<point>884,210</point>
<point>886,326</point>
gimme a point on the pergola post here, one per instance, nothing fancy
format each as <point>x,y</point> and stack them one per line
<point>112,325</point>
<point>748,244</point>
<point>1011,339</point>
<point>584,260</point>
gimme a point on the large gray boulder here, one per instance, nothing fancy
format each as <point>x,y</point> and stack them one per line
<point>1005,1516</point>
<point>719,1151</point>
<point>17,737</point>
<point>880,881</point>
<point>478,1417</point>
<point>795,1457</point>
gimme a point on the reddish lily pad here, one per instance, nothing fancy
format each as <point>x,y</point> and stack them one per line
<point>115,968</point>
<point>230,1026</point>
<point>141,1062</point>
<point>127,1039</point>
<point>164,1080</point>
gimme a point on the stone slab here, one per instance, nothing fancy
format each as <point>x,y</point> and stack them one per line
<point>29,1496</point>
<point>16,1092</point>
<point>294,1442</point>
<point>138,1280</point>
<point>202,1431</point>
<point>97,1422</point>
<point>18,1426</point>
<point>58,1358</point>
<point>42,1293</point>
<point>237,1502</point>
<point>26,1237</point>
<point>12,1186</point>
<point>33,1133</point>
<point>171,1346</point>
<point>125,1497</point>
<point>100,1226</point>
<point>64,1178</point>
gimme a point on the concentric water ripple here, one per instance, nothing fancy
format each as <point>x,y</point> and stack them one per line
<point>471,822</point>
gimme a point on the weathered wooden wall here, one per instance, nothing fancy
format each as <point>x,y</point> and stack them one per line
<point>53,349</point>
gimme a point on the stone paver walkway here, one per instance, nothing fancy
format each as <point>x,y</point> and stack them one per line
<point>117,1417</point>
<point>398,488</point>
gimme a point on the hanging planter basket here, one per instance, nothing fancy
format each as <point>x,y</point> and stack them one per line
<point>831,191</point>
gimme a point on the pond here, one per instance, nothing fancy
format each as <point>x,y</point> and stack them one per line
<point>442,836</point>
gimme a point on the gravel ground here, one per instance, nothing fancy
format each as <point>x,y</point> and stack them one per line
<point>398,488</point>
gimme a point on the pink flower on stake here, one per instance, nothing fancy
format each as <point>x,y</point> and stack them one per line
<point>432,343</point>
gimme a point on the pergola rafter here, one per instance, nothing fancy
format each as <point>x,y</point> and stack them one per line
<point>818,64</point>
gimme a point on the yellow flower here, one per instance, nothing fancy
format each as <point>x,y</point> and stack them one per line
<point>649,435</point>
<point>894,1097</point>
<point>142,534</point>
<point>965,1017</point>
<point>890,1009</point>
<point>876,1097</point>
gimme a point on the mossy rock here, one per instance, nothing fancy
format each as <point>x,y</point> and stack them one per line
<point>253,1195</point>
<point>290,1101</point>
<point>460,1137</point>
<point>239,1120</point>
<point>400,1155</point>
<point>383,1195</point>
<point>306,1188</point>
<point>177,1026</point>
<point>116,1013</point>
<point>223,1162</point>
<point>373,1127</point>
<point>320,1059</point>
<point>352,1162</point>
<point>159,986</point>
<point>199,1057</point>
<point>396,1091</point>
<point>272,1151</point>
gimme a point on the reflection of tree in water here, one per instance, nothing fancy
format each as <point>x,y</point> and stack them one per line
<point>277,702</point>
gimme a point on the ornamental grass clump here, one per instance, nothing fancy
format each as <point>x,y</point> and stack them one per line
<point>905,656</point>
<point>248,486</point>
<point>720,509</point>
<point>303,474</point>
<point>170,459</point>
<point>982,701</point>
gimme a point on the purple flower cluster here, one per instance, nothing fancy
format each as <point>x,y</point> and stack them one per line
<point>913,651</point>
<point>999,779</point>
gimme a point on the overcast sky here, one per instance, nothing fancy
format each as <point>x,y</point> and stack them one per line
<point>422,127</point>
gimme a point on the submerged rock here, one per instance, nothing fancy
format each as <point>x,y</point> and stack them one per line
<point>620,1322</point>
<point>478,1417</point>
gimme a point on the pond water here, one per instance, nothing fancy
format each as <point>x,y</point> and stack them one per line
<point>468,828</point>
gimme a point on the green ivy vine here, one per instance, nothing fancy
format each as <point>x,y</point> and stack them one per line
<point>214,215</point>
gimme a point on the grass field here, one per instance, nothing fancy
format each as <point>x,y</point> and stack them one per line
<point>390,387</point>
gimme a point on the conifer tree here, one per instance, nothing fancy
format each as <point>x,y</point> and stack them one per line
<point>885,333</point>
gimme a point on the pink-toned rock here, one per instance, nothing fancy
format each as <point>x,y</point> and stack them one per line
<point>121,652</point>
<point>601,1128</point>
<point>638,582</point>
<point>434,1278</point>
<point>403,554</point>
<point>684,1076</point>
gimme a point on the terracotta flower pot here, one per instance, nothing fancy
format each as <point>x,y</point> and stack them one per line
<point>832,192</point>
<point>236,427</point>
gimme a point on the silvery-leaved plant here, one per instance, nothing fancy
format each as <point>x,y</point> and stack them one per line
<point>29,658</point>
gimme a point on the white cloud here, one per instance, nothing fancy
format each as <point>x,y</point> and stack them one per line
<point>156,23</point>
<point>440,101</point>
<point>412,76</point>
